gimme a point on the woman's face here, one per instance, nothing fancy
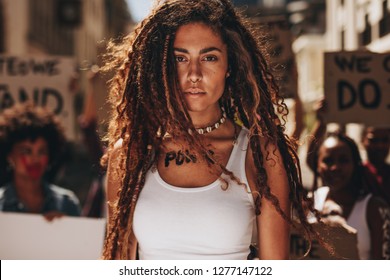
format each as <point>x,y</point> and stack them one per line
<point>335,163</point>
<point>29,159</point>
<point>202,66</point>
<point>377,144</point>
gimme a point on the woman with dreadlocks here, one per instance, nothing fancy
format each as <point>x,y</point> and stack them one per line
<point>185,181</point>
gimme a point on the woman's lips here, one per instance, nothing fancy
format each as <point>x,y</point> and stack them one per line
<point>35,171</point>
<point>194,90</point>
<point>336,178</point>
<point>194,93</point>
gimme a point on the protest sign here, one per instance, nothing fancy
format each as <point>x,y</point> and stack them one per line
<point>357,87</point>
<point>342,238</point>
<point>44,81</point>
<point>31,237</point>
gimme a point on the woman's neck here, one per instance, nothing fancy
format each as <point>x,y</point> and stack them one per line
<point>341,196</point>
<point>27,185</point>
<point>204,119</point>
<point>30,193</point>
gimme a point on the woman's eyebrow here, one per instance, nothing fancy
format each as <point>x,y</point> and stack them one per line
<point>202,51</point>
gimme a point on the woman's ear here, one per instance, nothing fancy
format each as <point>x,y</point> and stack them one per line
<point>227,74</point>
<point>11,163</point>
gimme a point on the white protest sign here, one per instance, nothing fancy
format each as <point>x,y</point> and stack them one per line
<point>31,237</point>
<point>357,87</point>
<point>42,80</point>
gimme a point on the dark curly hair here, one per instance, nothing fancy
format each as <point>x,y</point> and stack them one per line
<point>28,122</point>
<point>145,96</point>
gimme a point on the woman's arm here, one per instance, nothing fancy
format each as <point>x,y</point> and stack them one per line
<point>378,220</point>
<point>273,230</point>
<point>112,190</point>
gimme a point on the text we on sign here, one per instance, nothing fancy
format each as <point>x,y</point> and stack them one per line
<point>357,87</point>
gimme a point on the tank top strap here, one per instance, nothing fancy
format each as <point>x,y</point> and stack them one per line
<point>236,163</point>
<point>237,156</point>
<point>243,139</point>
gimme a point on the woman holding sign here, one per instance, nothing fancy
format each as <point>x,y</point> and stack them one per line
<point>31,139</point>
<point>185,181</point>
<point>347,193</point>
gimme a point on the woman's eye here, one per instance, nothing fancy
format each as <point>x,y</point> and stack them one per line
<point>210,58</point>
<point>44,152</point>
<point>25,151</point>
<point>179,59</point>
<point>345,160</point>
<point>327,161</point>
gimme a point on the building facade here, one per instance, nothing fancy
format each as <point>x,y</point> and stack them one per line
<point>78,29</point>
<point>60,27</point>
<point>358,24</point>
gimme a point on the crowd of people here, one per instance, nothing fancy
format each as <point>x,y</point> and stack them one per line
<point>197,151</point>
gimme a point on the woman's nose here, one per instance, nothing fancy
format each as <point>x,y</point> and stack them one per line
<point>37,157</point>
<point>335,166</point>
<point>194,73</point>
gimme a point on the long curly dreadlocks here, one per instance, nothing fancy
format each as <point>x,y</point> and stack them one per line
<point>147,102</point>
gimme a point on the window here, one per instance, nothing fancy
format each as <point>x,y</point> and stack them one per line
<point>2,29</point>
<point>384,23</point>
<point>46,32</point>
<point>365,36</point>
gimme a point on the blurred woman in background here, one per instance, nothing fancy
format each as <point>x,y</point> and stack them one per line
<point>346,192</point>
<point>31,139</point>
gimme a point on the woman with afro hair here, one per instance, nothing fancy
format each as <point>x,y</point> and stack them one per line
<point>31,139</point>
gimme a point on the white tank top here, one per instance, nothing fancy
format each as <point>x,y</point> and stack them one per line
<point>196,223</point>
<point>357,219</point>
